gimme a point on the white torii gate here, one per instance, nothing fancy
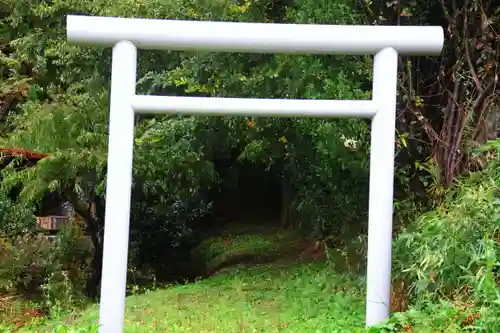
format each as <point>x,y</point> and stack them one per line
<point>125,35</point>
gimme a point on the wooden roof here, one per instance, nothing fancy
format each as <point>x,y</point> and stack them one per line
<point>20,152</point>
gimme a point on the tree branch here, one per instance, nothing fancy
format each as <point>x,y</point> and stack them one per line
<point>472,69</point>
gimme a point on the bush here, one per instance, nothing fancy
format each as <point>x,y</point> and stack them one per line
<point>450,257</point>
<point>455,247</point>
<point>54,272</point>
<point>22,263</point>
<point>15,218</point>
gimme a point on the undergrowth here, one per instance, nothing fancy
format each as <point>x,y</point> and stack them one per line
<point>449,258</point>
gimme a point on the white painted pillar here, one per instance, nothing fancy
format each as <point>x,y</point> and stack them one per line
<point>118,188</point>
<point>381,187</point>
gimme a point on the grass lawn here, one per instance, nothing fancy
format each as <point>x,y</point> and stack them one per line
<point>288,297</point>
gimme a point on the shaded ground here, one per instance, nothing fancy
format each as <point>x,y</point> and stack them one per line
<point>234,247</point>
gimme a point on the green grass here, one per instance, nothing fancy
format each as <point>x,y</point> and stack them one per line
<point>245,245</point>
<point>309,298</point>
<point>285,297</point>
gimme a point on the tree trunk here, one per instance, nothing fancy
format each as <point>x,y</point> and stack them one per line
<point>286,200</point>
<point>92,286</point>
<point>93,215</point>
<point>94,280</point>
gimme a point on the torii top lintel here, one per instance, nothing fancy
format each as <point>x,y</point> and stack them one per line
<point>254,37</point>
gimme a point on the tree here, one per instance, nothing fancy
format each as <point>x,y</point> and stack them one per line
<point>449,104</point>
<point>62,110</point>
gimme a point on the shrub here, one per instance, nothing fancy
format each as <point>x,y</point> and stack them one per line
<point>32,265</point>
<point>450,259</point>
<point>15,218</point>
<point>455,247</point>
<point>22,263</point>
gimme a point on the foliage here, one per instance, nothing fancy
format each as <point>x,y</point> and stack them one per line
<point>33,265</point>
<point>65,115</point>
<point>311,154</point>
<point>21,259</point>
<point>457,244</point>
<point>15,217</point>
<point>170,168</point>
<point>449,104</point>
<point>450,257</point>
<point>443,316</point>
<point>62,111</point>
